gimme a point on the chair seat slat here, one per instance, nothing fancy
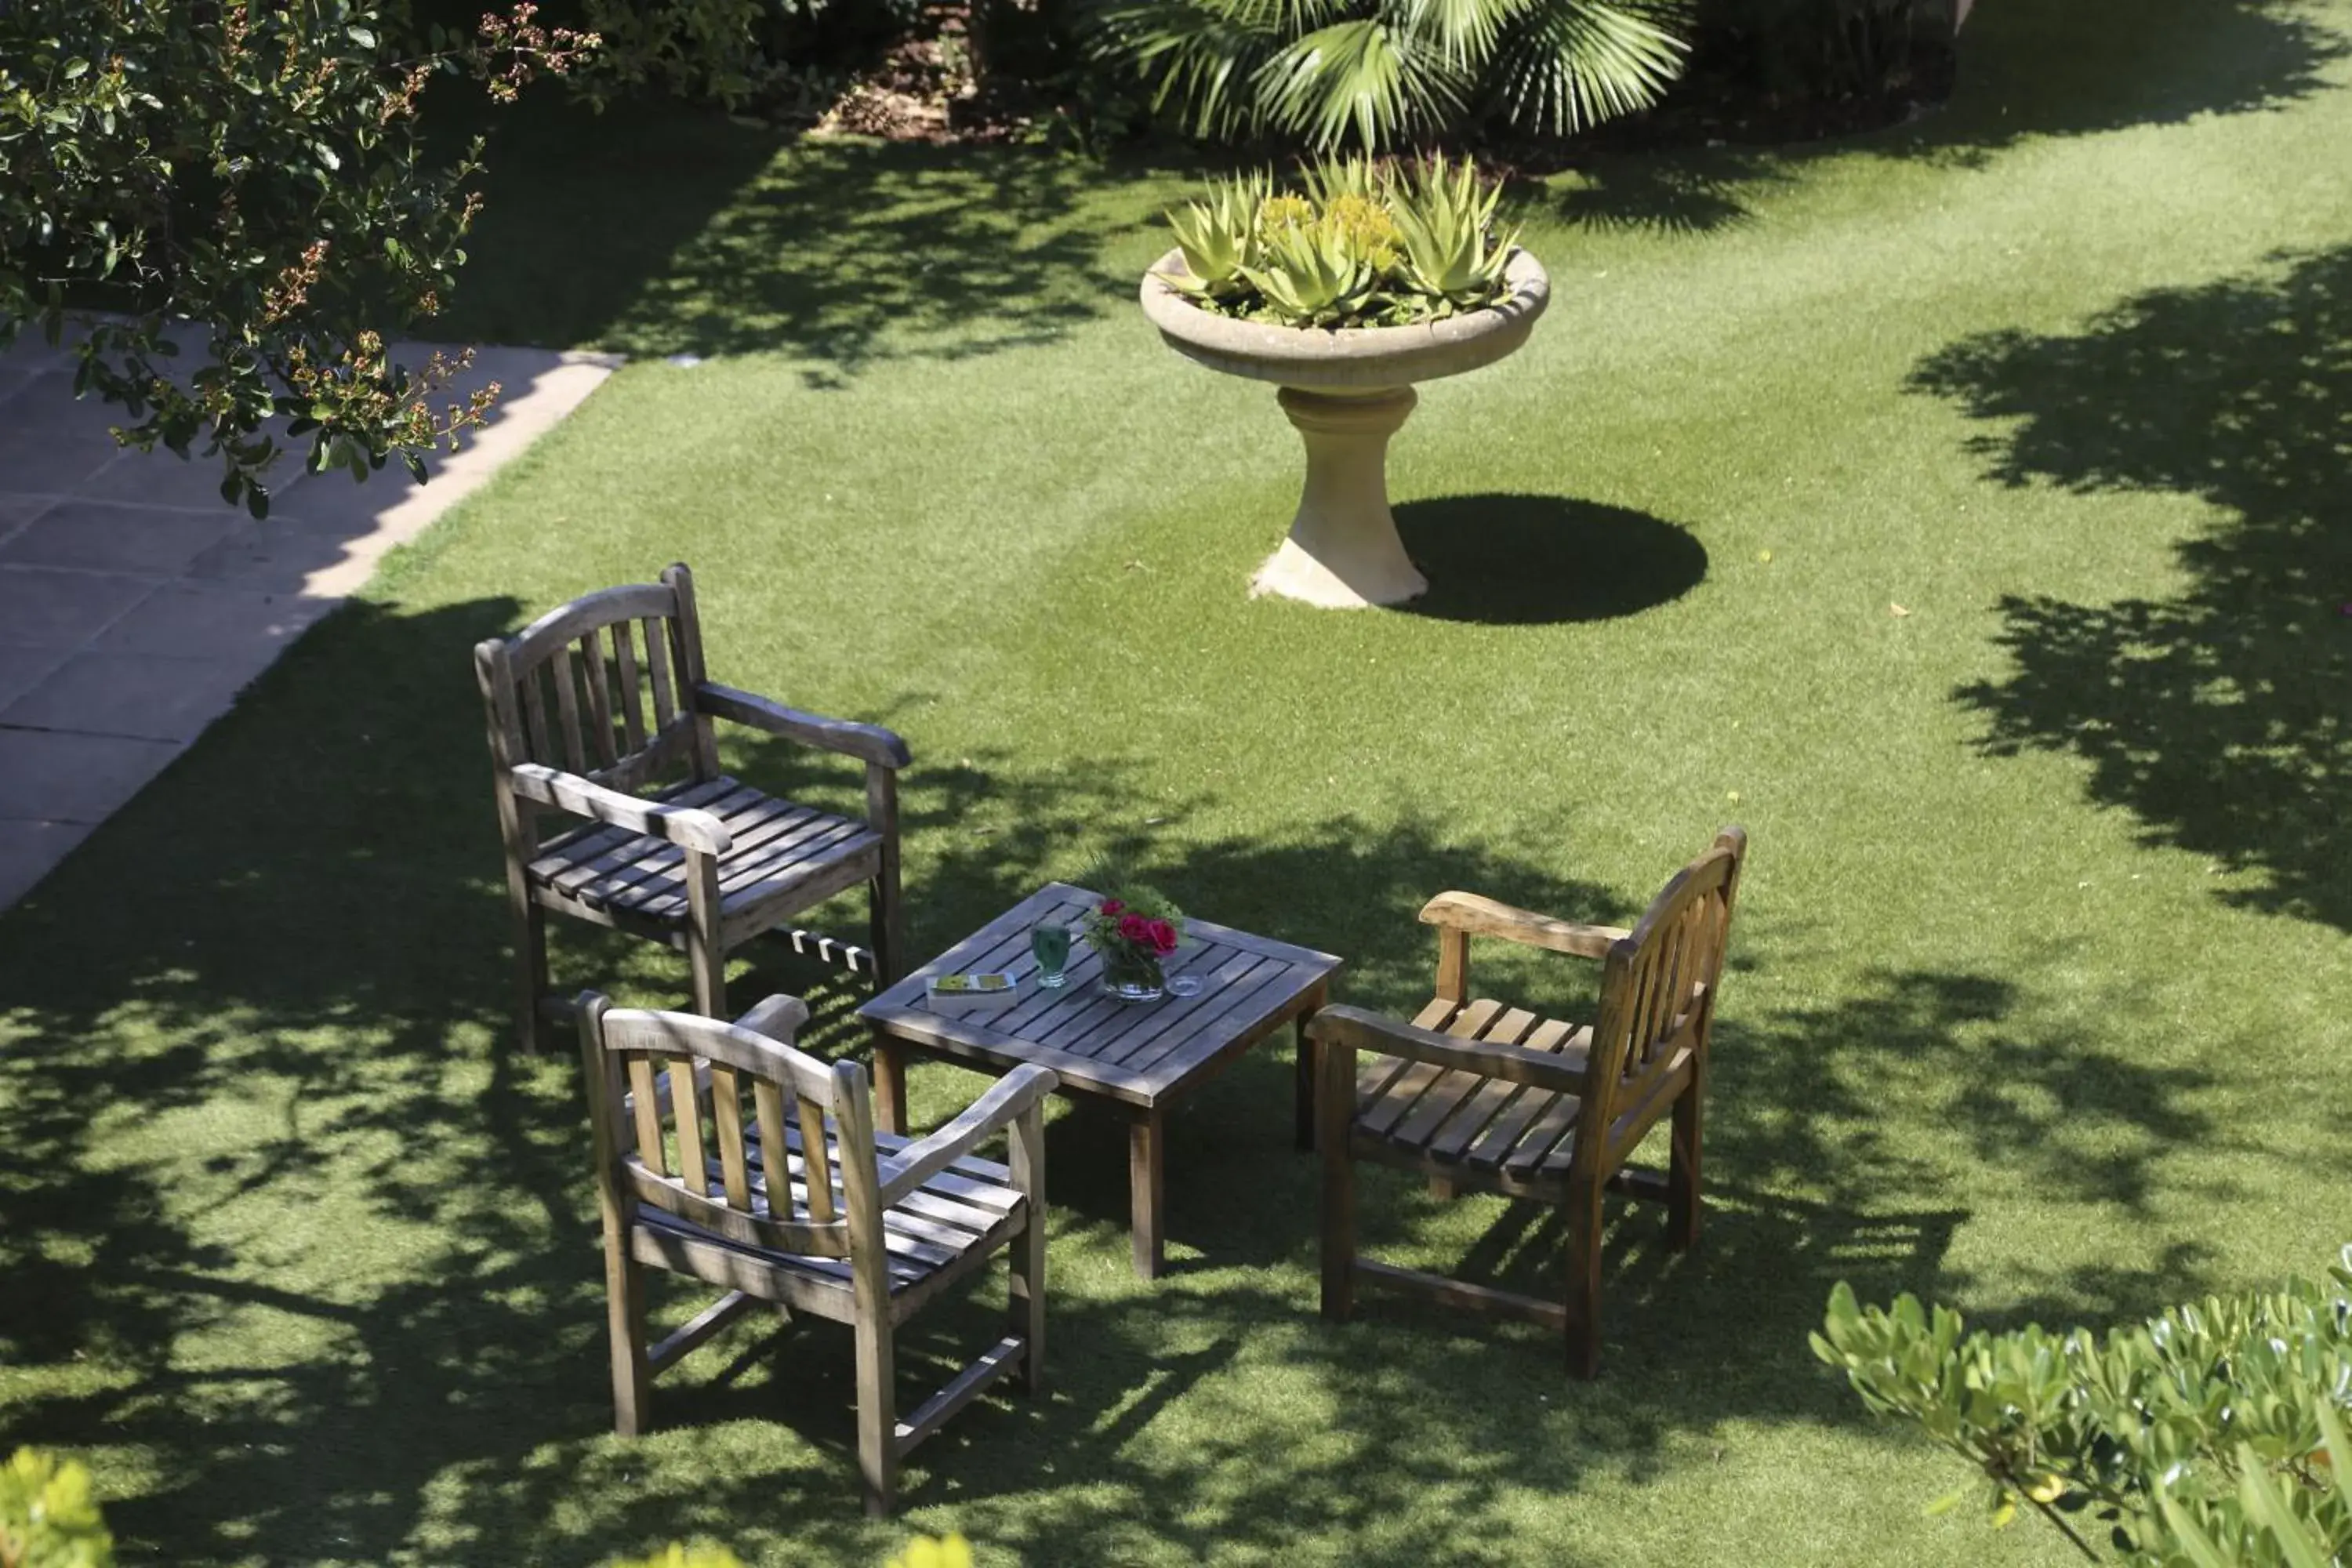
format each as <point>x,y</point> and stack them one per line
<point>1509,1026</point>
<point>1406,1089</point>
<point>1494,1099</point>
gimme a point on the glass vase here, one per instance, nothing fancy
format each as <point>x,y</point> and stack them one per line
<point>1133,976</point>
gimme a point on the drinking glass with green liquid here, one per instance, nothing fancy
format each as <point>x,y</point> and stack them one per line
<point>1051,944</point>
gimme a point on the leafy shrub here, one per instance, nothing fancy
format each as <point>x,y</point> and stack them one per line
<point>1367,245</point>
<point>47,1519</point>
<point>259,170</point>
<point>1383,73</point>
<point>2214,1436</point>
<point>720,52</point>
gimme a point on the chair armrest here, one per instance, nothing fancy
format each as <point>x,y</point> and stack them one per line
<point>681,825</point>
<point>1011,1096</point>
<point>779,1018</point>
<point>868,742</point>
<point>1486,917</point>
<point>1352,1029</point>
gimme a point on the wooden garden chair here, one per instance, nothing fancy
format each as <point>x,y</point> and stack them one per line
<point>672,849</point>
<point>796,1200</point>
<point>1482,1096</point>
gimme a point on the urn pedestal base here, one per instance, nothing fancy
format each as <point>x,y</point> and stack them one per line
<point>1343,553</point>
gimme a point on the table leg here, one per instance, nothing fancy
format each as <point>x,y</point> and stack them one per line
<point>890,1084</point>
<point>1146,1151</point>
<point>1304,1067</point>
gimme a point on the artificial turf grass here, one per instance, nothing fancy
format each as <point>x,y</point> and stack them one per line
<point>299,1259</point>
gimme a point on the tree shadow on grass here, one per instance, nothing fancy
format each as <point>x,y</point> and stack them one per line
<point>2215,716</point>
<point>2025,71</point>
<point>1524,560</point>
<point>711,237</point>
<point>301,1251</point>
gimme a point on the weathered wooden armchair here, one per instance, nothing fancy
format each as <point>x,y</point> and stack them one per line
<point>1478,1095</point>
<point>796,1200</point>
<point>673,848</point>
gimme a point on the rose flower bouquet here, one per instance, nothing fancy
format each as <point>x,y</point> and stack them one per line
<point>1135,930</point>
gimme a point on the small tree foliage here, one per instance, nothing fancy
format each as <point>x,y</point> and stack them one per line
<point>256,170</point>
<point>2212,1436</point>
<point>47,1517</point>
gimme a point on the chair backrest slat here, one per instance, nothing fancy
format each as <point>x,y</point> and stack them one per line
<point>558,696</point>
<point>726,1121</point>
<point>706,1064</point>
<point>534,707</point>
<point>820,1169</point>
<point>624,660</point>
<point>657,672</point>
<point>650,1142</point>
<point>1658,994</point>
<point>599,699</point>
<point>564,669</point>
<point>775,1158</point>
<point>686,1116</point>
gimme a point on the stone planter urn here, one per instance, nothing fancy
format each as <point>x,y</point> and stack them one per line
<point>1347,391</point>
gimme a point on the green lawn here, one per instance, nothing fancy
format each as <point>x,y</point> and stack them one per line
<point>2043,997</point>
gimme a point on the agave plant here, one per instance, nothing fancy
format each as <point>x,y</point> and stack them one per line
<point>1314,274</point>
<point>1444,223</point>
<point>1219,238</point>
<point>1385,72</point>
<point>1367,246</point>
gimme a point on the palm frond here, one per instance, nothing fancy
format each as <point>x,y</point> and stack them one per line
<point>1199,54</point>
<point>1567,64</point>
<point>1360,76</point>
<point>1465,30</point>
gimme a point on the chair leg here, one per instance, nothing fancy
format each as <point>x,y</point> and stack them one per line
<point>886,927</point>
<point>887,911</point>
<point>708,963</point>
<point>1584,1281</point>
<point>706,953</point>
<point>877,1415</point>
<point>633,1377</point>
<point>1026,1308</point>
<point>1685,1194</point>
<point>531,971</point>
<point>1335,1109</point>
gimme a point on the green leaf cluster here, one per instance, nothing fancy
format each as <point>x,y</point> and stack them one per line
<point>259,172</point>
<point>1368,243</point>
<point>2212,1436</point>
<point>1385,73</point>
<point>922,1551</point>
<point>681,1556</point>
<point>47,1517</point>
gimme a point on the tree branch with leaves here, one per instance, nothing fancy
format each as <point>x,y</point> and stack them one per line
<point>255,170</point>
<point>2212,1436</point>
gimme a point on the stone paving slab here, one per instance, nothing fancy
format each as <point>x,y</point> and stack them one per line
<point>135,605</point>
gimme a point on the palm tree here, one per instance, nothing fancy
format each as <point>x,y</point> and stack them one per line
<point>1381,72</point>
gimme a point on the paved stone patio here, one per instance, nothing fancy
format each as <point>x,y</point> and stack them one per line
<point>135,605</point>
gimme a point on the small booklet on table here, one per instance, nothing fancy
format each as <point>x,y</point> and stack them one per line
<point>989,985</point>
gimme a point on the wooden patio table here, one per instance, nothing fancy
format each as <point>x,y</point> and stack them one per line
<point>1139,1058</point>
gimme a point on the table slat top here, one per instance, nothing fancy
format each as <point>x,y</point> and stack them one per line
<point>1136,1052</point>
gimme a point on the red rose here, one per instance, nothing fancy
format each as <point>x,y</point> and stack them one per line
<point>1135,928</point>
<point>1163,936</point>
<point>1112,906</point>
